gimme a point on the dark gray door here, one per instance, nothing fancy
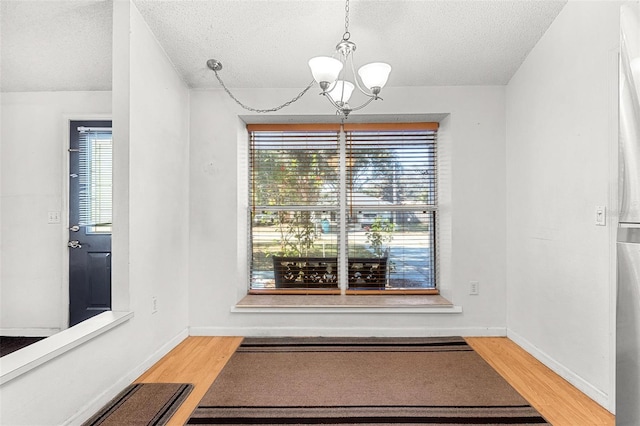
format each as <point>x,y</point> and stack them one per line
<point>90,195</point>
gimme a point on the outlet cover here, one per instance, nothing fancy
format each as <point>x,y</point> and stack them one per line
<point>474,288</point>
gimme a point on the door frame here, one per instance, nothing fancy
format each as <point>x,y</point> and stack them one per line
<point>64,209</point>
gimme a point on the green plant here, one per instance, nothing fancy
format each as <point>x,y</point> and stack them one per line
<point>379,233</point>
<point>297,234</point>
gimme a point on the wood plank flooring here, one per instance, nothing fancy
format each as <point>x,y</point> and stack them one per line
<point>555,398</point>
<point>198,360</point>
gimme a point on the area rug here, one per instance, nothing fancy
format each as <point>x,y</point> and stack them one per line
<point>361,381</point>
<point>10,344</point>
<point>142,404</point>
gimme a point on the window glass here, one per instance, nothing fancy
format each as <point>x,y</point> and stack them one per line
<point>387,179</point>
<point>95,180</point>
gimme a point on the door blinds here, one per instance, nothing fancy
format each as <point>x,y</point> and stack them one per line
<point>95,179</point>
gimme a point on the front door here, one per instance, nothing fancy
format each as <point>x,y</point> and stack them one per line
<point>90,155</point>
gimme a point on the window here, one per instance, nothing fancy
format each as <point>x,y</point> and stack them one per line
<point>95,179</point>
<point>343,209</point>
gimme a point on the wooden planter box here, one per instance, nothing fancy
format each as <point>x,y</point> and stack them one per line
<point>322,272</point>
<point>368,272</point>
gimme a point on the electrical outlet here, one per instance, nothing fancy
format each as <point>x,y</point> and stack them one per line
<point>474,288</point>
<point>154,304</point>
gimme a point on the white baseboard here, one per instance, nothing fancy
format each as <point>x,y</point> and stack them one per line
<point>92,407</point>
<point>585,387</point>
<point>29,332</point>
<point>347,332</point>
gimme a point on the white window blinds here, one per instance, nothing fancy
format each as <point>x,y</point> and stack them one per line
<point>386,237</point>
<point>391,168</point>
<point>95,179</point>
<point>392,200</point>
<point>294,168</point>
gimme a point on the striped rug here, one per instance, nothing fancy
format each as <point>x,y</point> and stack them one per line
<point>150,404</point>
<point>346,381</point>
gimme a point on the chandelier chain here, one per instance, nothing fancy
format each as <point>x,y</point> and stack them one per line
<point>248,108</point>
<point>347,34</point>
<point>326,78</point>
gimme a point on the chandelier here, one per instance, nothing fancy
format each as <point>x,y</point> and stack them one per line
<point>331,74</point>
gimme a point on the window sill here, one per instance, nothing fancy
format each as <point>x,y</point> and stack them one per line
<point>26,359</point>
<point>330,304</point>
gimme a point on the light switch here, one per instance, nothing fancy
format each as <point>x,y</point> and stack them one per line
<point>53,217</point>
<point>601,215</point>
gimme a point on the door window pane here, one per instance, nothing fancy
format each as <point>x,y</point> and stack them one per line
<point>95,179</point>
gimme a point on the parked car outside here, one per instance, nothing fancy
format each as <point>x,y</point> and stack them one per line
<point>264,218</point>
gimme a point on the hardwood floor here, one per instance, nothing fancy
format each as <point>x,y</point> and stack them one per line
<point>555,398</point>
<point>198,360</point>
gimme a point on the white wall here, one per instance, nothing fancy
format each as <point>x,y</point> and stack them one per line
<point>150,119</point>
<point>34,160</point>
<point>561,153</point>
<point>473,134</point>
<point>178,235</point>
<point>158,183</point>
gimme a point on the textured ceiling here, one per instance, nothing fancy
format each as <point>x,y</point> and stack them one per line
<point>55,45</point>
<point>66,45</point>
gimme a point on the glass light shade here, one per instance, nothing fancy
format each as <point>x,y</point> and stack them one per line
<point>325,68</point>
<point>337,93</point>
<point>374,74</point>
<point>635,66</point>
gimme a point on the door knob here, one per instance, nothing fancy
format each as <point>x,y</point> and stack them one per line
<point>74,228</point>
<point>74,244</point>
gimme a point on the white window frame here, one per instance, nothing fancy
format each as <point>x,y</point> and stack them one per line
<point>342,210</point>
